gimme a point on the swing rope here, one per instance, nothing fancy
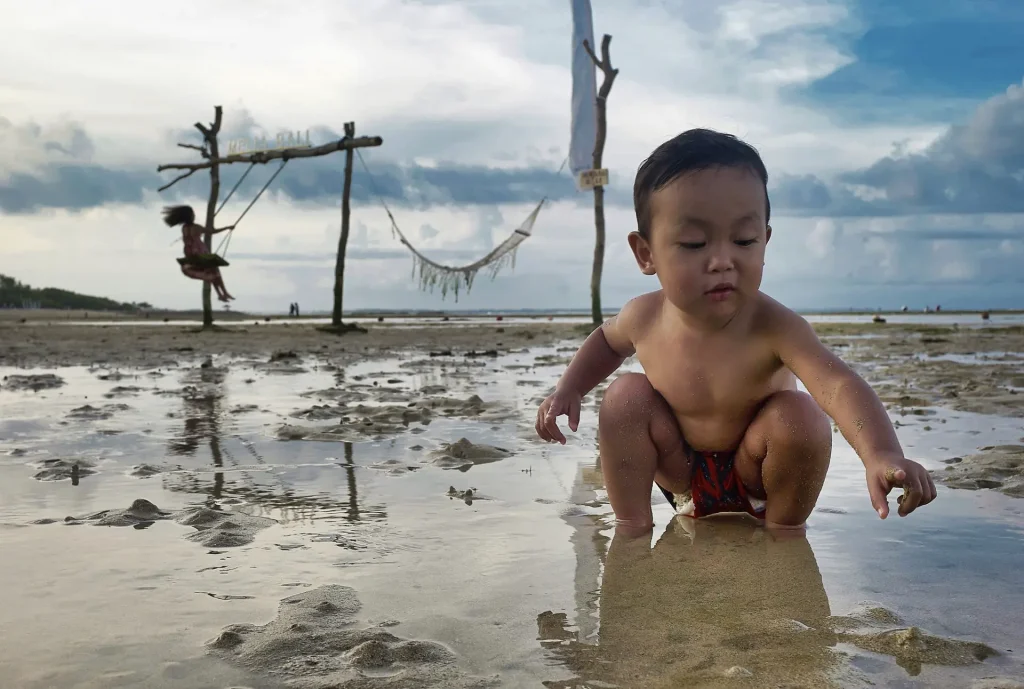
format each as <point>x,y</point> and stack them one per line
<point>226,241</point>
<point>234,188</point>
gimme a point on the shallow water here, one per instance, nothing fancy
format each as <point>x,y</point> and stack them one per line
<point>960,319</point>
<point>525,583</point>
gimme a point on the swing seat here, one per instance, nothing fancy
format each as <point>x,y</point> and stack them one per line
<point>203,261</point>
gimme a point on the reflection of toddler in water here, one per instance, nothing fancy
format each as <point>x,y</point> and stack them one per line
<point>716,416</point>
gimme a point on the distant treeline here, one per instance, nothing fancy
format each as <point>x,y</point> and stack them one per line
<point>14,294</point>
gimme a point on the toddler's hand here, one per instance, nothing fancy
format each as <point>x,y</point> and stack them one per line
<point>558,403</point>
<point>889,473</point>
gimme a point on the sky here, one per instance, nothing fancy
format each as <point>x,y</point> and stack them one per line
<point>893,134</point>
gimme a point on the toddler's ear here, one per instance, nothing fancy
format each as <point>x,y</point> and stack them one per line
<point>768,236</point>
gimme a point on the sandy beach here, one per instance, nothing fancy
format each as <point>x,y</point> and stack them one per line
<point>268,505</point>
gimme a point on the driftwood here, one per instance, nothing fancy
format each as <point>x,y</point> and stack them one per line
<point>210,145</point>
<point>343,144</point>
<point>339,264</point>
<point>605,65</point>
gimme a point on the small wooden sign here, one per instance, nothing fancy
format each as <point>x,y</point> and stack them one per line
<point>589,179</point>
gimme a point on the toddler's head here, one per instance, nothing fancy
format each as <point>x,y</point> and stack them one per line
<point>702,213</point>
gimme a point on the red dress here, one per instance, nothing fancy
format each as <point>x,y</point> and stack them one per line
<point>192,237</point>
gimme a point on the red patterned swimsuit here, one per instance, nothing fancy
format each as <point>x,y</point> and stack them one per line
<point>716,487</point>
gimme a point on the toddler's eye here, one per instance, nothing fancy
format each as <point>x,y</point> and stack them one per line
<point>745,242</point>
<point>692,245</point>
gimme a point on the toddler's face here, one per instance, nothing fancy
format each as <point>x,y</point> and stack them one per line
<point>707,239</point>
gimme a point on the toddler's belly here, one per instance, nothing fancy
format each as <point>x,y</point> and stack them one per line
<point>709,434</point>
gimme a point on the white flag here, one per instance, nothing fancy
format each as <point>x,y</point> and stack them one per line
<point>583,133</point>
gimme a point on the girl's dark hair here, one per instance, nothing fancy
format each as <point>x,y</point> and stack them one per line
<point>696,149</point>
<point>179,215</point>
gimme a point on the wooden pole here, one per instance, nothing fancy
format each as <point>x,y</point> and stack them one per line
<point>210,136</point>
<point>339,265</point>
<point>605,65</point>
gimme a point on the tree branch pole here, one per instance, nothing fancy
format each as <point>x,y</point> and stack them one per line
<point>605,65</point>
<point>210,137</point>
<point>339,266</point>
<point>343,144</point>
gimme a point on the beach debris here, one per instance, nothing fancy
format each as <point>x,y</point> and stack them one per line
<point>467,496</point>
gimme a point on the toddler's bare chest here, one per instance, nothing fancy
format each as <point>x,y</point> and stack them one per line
<point>718,380</point>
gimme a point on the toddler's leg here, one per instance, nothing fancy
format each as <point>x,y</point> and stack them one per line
<point>784,457</point>
<point>639,440</point>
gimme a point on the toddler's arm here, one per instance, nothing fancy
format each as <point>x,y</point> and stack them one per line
<point>857,411</point>
<point>601,354</point>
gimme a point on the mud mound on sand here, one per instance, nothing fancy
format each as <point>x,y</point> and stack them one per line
<point>314,644</point>
<point>365,422</point>
<point>57,469</point>
<point>998,466</point>
<point>35,383</point>
<point>91,413</point>
<point>463,455</point>
<point>874,629</point>
<point>214,529</point>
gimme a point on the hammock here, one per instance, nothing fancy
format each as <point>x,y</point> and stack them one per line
<point>451,278</point>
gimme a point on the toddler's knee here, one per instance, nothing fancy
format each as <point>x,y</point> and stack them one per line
<point>629,400</point>
<point>799,424</point>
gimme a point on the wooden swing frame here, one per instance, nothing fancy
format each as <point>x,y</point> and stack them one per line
<point>212,162</point>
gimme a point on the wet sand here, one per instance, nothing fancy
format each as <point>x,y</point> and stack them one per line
<point>272,506</point>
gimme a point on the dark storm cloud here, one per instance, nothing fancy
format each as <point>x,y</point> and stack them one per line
<point>67,179</point>
<point>74,187</point>
<point>975,167</point>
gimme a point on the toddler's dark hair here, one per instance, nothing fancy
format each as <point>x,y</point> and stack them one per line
<point>178,215</point>
<point>693,150</point>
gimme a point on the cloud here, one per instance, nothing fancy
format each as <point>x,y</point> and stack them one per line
<point>53,171</point>
<point>973,168</point>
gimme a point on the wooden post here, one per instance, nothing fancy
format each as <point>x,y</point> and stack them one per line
<point>339,265</point>
<point>605,65</point>
<point>210,138</point>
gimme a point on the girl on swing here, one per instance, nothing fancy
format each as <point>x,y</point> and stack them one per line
<point>192,237</point>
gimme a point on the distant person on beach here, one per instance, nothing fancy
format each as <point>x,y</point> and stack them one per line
<point>716,420</point>
<point>192,237</point>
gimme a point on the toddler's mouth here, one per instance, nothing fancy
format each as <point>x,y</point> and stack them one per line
<point>721,291</point>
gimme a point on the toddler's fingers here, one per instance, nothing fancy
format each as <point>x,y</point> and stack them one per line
<point>913,497</point>
<point>540,425</point>
<point>878,491</point>
<point>574,416</point>
<point>894,477</point>
<point>551,425</point>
